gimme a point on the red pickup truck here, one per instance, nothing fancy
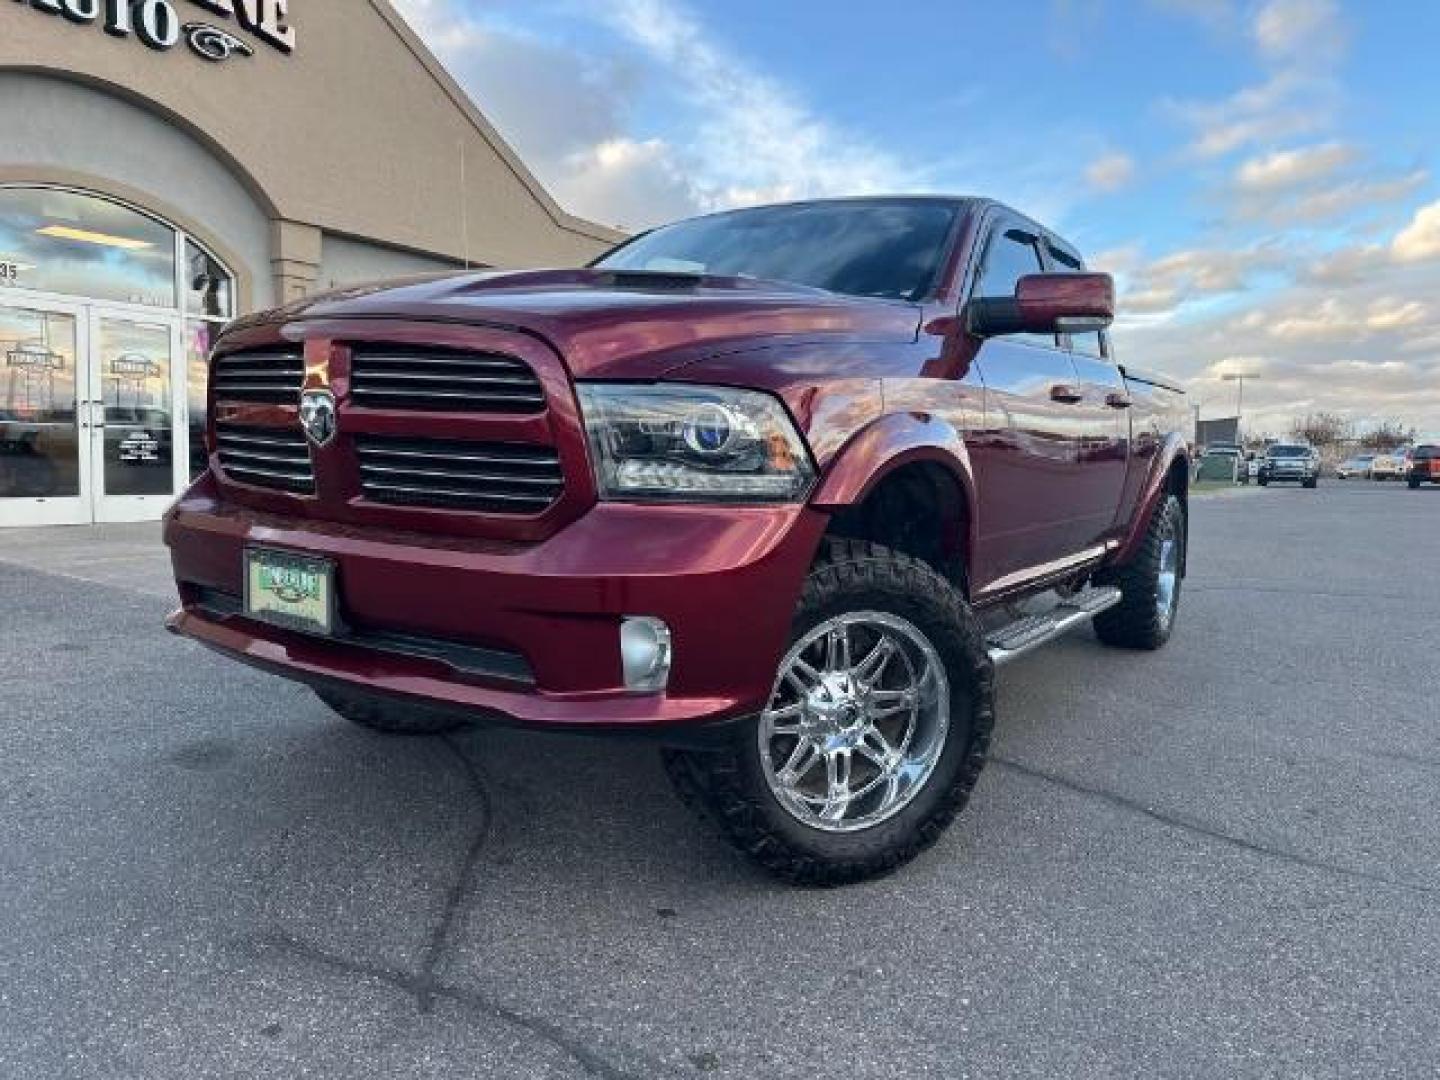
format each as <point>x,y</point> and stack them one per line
<point>778,486</point>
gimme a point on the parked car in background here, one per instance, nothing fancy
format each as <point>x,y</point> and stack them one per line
<point>1424,466</point>
<point>1355,467</point>
<point>1292,463</point>
<point>1390,465</point>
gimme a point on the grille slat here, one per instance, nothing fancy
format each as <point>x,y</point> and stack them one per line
<point>514,479</point>
<point>270,377</point>
<point>441,380</point>
<point>266,457</point>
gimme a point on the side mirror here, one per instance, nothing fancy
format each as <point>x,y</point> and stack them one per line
<point>1047,304</point>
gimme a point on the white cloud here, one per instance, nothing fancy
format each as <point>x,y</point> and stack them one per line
<point>1334,320</point>
<point>627,181</point>
<point>1302,31</point>
<point>1286,104</point>
<point>1285,169</point>
<point>1420,240</point>
<point>1110,172</point>
<point>755,139</point>
<point>570,114</point>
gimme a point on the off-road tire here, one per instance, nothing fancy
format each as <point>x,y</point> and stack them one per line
<point>1312,483</point>
<point>388,717</point>
<point>1135,622</point>
<point>727,785</point>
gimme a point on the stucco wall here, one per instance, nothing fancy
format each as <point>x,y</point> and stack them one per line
<point>358,131</point>
<point>344,261</point>
<point>59,130</point>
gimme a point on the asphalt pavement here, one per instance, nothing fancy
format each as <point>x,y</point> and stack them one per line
<point>1221,860</point>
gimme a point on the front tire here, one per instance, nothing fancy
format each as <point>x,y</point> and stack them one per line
<point>1414,485</point>
<point>1313,482</point>
<point>387,717</point>
<point>875,733</point>
<point>1149,584</point>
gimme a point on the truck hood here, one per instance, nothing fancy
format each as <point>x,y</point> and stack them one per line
<point>622,325</point>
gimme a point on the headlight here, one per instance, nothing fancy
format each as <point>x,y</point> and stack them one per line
<point>693,444</point>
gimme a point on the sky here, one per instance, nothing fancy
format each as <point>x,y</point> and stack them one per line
<point>1259,175</point>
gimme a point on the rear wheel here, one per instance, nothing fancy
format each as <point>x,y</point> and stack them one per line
<point>875,733</point>
<point>1313,482</point>
<point>388,717</point>
<point>1415,484</point>
<point>1149,584</point>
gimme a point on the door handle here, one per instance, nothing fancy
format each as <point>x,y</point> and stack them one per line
<point>1118,401</point>
<point>1066,394</point>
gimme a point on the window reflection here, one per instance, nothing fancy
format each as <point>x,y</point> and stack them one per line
<point>198,338</point>
<point>65,242</point>
<point>209,291</point>
<point>38,438</point>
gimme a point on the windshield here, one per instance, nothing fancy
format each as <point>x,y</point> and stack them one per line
<point>888,249</point>
<point>1427,453</point>
<point>1289,451</point>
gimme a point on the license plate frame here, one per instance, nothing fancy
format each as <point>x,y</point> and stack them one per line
<point>311,581</point>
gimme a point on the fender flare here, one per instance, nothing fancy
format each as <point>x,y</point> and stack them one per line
<point>1173,449</point>
<point>891,443</point>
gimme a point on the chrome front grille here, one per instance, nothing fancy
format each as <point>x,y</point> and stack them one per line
<point>271,377</point>
<point>267,457</point>
<point>389,377</point>
<point>497,478</point>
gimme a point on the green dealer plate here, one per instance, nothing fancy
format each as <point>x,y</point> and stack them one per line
<point>290,590</point>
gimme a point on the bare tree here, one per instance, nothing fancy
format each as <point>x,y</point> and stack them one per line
<point>1387,435</point>
<point>1321,429</point>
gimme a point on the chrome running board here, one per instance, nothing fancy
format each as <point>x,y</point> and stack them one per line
<point>1029,633</point>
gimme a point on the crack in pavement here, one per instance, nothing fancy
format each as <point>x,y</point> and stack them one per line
<point>424,986</point>
<point>1134,806</point>
<point>455,900</point>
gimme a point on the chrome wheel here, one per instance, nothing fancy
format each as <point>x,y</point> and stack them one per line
<point>1168,580</point>
<point>856,723</point>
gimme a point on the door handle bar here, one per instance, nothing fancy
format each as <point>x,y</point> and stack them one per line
<point>1066,394</point>
<point>1118,401</point>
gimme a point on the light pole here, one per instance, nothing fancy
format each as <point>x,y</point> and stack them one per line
<point>1239,397</point>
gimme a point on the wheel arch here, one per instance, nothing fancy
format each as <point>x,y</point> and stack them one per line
<point>1170,474</point>
<point>905,481</point>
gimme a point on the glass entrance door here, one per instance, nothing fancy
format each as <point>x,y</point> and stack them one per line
<point>91,401</point>
<point>136,407</point>
<point>45,454</point>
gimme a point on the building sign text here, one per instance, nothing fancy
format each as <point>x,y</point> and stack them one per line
<point>159,25</point>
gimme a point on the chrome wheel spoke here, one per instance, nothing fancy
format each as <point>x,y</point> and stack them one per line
<point>877,748</point>
<point>786,719</point>
<point>802,759</point>
<point>869,670</point>
<point>886,703</point>
<point>837,783</point>
<point>802,676</point>
<point>837,649</point>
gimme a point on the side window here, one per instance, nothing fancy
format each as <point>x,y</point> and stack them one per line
<point>1066,262</point>
<point>1009,256</point>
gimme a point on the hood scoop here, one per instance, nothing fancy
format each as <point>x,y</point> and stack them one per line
<point>650,280</point>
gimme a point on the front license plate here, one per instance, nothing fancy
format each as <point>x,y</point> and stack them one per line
<point>291,590</point>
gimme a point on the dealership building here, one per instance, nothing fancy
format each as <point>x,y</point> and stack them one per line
<point>166,165</point>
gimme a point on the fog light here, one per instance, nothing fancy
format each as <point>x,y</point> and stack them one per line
<point>645,653</point>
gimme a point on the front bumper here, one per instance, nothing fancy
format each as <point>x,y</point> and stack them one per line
<point>724,579</point>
